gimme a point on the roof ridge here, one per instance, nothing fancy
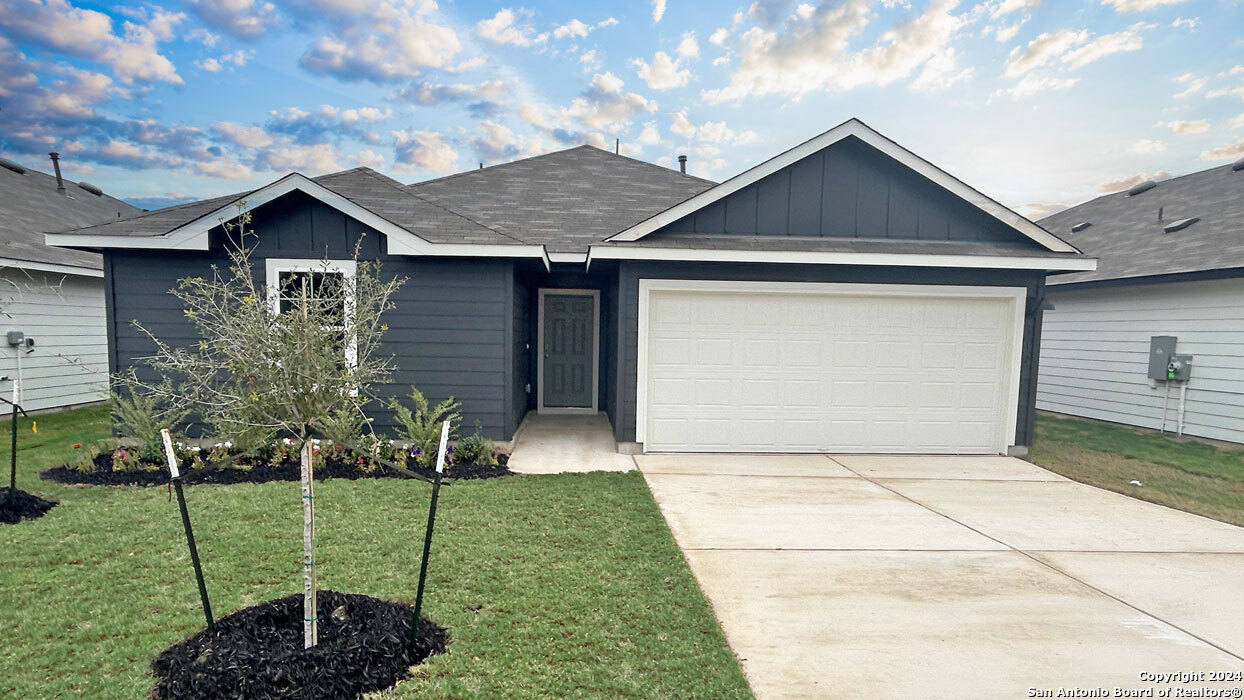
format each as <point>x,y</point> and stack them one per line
<point>464,173</point>
<point>649,164</point>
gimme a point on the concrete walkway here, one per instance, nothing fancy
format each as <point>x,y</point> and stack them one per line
<point>556,444</point>
<point>948,577</point>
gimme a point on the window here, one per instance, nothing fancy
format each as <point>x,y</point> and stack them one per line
<point>319,282</point>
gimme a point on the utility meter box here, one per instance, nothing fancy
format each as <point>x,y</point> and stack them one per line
<point>16,338</point>
<point>1161,352</point>
<point>1182,365</point>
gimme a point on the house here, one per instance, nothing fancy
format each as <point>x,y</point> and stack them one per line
<point>844,295</point>
<point>1172,264</point>
<point>52,297</point>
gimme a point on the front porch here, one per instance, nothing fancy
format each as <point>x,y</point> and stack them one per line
<point>552,444</point>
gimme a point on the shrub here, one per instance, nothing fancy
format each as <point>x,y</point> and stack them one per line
<point>138,418</point>
<point>421,427</point>
<point>476,449</point>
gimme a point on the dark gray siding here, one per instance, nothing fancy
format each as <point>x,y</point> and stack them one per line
<point>520,356</point>
<point>629,274</point>
<point>849,190</point>
<point>448,335</point>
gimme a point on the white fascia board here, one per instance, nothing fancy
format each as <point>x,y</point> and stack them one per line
<point>1002,262</point>
<point>7,263</point>
<point>862,131</point>
<point>568,257</point>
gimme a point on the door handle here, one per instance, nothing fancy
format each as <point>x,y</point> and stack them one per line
<point>547,349</point>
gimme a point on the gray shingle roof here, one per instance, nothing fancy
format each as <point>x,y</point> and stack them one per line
<point>566,200</point>
<point>30,206</point>
<point>1128,239</point>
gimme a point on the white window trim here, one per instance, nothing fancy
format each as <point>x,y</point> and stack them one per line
<point>1016,295</point>
<point>273,267</point>
<point>563,410</point>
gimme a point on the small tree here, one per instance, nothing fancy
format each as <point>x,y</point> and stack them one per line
<point>289,358</point>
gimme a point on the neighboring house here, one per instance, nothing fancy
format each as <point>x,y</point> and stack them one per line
<point>844,295</point>
<point>53,296</point>
<point>1171,263</point>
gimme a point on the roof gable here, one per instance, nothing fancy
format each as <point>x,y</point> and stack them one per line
<point>860,211</point>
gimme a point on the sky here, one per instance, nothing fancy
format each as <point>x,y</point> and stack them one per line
<point>1040,105</point>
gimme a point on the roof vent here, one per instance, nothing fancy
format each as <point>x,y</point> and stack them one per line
<point>1081,226</point>
<point>10,165</point>
<point>91,188</point>
<point>1142,187</point>
<point>1238,165</point>
<point>1180,224</point>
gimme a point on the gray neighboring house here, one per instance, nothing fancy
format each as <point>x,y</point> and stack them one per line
<point>53,296</point>
<point>1171,263</point>
<point>844,295</point>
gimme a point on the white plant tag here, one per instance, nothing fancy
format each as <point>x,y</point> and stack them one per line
<point>440,455</point>
<point>168,451</point>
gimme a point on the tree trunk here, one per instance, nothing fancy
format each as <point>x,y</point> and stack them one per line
<point>310,625</point>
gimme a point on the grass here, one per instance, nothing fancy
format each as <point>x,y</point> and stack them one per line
<point>1183,473</point>
<point>564,586</point>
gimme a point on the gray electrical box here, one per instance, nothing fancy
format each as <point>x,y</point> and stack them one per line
<point>1183,368</point>
<point>1161,350</point>
<point>16,338</point>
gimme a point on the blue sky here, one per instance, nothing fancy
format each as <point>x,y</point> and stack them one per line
<point>1039,104</point>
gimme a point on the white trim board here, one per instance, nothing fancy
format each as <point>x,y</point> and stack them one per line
<point>194,235</point>
<point>1016,295</point>
<point>1001,262</point>
<point>562,410</point>
<point>11,264</point>
<point>865,133</point>
<point>347,268</point>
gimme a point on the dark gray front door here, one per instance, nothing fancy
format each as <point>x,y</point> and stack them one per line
<point>569,329</point>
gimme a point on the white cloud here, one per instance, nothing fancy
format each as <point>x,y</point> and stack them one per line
<point>1130,181</point>
<point>1044,49</point>
<point>719,36</point>
<point>235,59</point>
<point>207,38</point>
<point>590,60</point>
<point>681,125</point>
<point>709,132</point>
<point>244,18</point>
<point>1237,122</point>
<point>228,168</point>
<point>688,47</point>
<point>1227,92</point>
<point>314,159</point>
<point>658,10</point>
<point>495,142</point>
<point>940,72</point>
<point>1035,84</point>
<point>1179,126</point>
<point>1184,22</point>
<point>1005,34</point>
<point>503,28</point>
<point>424,150</point>
<point>1006,7</point>
<point>573,28</point>
<point>1234,150</point>
<point>1138,5</point>
<point>432,93</point>
<point>815,53</point>
<point>465,66</point>
<point>603,106</point>
<point>1041,64</point>
<point>244,136</point>
<point>608,22</point>
<point>663,73</point>
<point>1104,45</point>
<point>382,42</point>
<point>650,135</point>
<point>368,159</point>
<point>1146,146</point>
<point>1194,84</point>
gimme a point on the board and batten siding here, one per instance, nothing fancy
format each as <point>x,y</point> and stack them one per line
<point>448,333</point>
<point>65,316</point>
<point>1095,349</point>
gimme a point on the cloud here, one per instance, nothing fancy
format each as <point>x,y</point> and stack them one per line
<point>688,47</point>
<point>1137,5</point>
<point>590,60</point>
<point>1237,122</point>
<point>388,42</point>
<point>133,56</point>
<point>495,143</point>
<point>313,160</point>
<point>367,159</point>
<point>719,36</point>
<point>1194,84</point>
<point>424,150</point>
<point>1041,65</point>
<point>658,10</point>
<point>1005,34</point>
<point>813,51</point>
<point>576,29</point>
<point>1103,46</point>
<point>244,136</point>
<point>1130,181</point>
<point>1039,210</point>
<point>327,123</point>
<point>1184,22</point>
<point>1044,49</point>
<point>1227,92</point>
<point>1035,84</point>
<point>1234,150</point>
<point>227,168</point>
<point>244,18</point>
<point>603,106</point>
<point>481,99</point>
<point>650,135</point>
<point>711,132</point>
<point>502,29</point>
<point>1147,146</point>
<point>235,59</point>
<point>1179,126</point>
<point>941,72</point>
<point>663,73</point>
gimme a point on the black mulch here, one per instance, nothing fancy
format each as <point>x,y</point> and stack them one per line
<point>290,471</point>
<point>25,506</point>
<point>257,653</point>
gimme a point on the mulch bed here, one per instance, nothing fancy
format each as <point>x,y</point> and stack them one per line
<point>257,653</point>
<point>26,506</point>
<point>332,469</point>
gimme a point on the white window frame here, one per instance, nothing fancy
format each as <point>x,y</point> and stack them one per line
<point>1016,296</point>
<point>568,410</point>
<point>273,267</point>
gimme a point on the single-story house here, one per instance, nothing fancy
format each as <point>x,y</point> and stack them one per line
<point>52,297</point>
<point>1171,264</point>
<point>844,295</point>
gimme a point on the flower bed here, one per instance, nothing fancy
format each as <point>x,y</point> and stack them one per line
<point>110,464</point>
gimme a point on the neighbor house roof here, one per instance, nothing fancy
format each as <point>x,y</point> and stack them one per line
<point>1131,239</point>
<point>30,205</point>
<point>566,200</point>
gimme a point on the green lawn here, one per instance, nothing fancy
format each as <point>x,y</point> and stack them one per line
<point>562,586</point>
<point>1183,473</point>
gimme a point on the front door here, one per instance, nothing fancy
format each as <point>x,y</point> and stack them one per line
<point>568,353</point>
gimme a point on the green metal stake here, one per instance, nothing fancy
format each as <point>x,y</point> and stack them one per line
<point>185,521</point>
<point>13,452</point>
<point>427,539</point>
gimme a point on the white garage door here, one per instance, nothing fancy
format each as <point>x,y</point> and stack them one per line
<point>784,367</point>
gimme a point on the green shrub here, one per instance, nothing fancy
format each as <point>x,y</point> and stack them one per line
<point>476,449</point>
<point>138,418</point>
<point>421,426</point>
<point>85,462</point>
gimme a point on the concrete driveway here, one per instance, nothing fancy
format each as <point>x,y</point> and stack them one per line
<point>956,577</point>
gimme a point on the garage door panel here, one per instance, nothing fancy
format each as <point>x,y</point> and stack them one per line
<point>775,371</point>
